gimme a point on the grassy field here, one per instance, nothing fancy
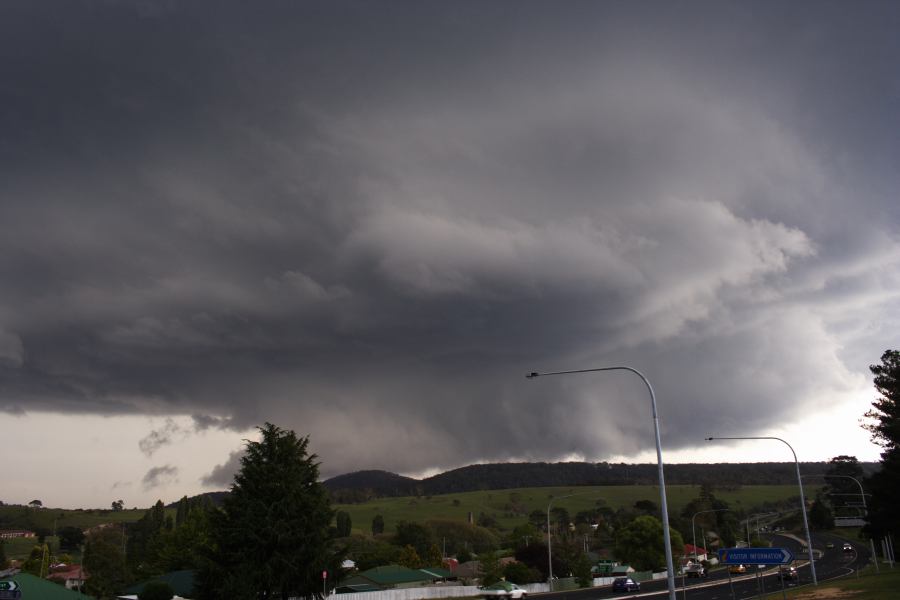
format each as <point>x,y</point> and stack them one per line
<point>869,586</point>
<point>500,503</point>
<point>23,517</point>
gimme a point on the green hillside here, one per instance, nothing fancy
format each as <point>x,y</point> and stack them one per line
<point>511,507</point>
<point>23,517</point>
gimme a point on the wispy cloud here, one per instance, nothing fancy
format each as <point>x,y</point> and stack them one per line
<point>160,476</point>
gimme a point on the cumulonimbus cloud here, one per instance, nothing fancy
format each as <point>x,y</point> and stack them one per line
<point>372,247</point>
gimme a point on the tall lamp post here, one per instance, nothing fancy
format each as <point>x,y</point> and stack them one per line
<point>550,537</point>
<point>862,495</point>
<point>694,531</point>
<point>670,576</point>
<point>812,564</point>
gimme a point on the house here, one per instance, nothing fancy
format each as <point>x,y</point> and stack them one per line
<point>690,551</point>
<point>468,570</point>
<point>621,570</point>
<point>8,534</point>
<point>393,577</point>
<point>71,576</point>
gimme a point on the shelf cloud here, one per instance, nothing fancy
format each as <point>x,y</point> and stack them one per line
<point>366,221</point>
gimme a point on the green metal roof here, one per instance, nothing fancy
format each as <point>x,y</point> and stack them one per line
<point>181,582</point>
<point>37,588</point>
<point>349,587</point>
<point>394,574</point>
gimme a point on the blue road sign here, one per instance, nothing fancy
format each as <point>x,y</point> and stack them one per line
<point>755,556</point>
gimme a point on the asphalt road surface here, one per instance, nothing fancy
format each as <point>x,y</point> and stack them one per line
<point>830,564</point>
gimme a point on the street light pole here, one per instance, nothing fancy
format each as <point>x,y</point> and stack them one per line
<point>670,576</point>
<point>862,495</point>
<point>694,532</point>
<point>812,564</point>
<point>550,537</point>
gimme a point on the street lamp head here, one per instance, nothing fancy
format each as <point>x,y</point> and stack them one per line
<point>532,375</point>
<point>709,439</point>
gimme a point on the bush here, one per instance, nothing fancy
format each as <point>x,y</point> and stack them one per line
<point>156,590</point>
<point>520,573</point>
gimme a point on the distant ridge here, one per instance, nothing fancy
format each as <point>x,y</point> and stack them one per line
<point>364,485</point>
<point>381,483</point>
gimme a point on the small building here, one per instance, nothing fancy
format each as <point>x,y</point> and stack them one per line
<point>8,534</point>
<point>603,567</point>
<point>691,551</point>
<point>72,577</point>
<point>622,571</point>
<point>393,577</point>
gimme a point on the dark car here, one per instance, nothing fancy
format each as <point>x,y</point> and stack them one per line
<point>848,548</point>
<point>626,584</point>
<point>788,573</point>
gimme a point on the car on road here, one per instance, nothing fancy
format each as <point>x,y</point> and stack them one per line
<point>848,548</point>
<point>626,584</point>
<point>737,569</point>
<point>789,573</point>
<point>695,570</point>
<point>503,589</point>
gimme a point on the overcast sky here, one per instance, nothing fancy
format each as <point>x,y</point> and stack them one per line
<point>366,221</point>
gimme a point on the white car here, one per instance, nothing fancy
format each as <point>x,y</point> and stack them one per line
<point>503,589</point>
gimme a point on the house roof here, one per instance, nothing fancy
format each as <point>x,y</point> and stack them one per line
<point>394,574</point>
<point>181,582</point>
<point>691,549</point>
<point>35,587</point>
<point>346,588</point>
<point>437,572</point>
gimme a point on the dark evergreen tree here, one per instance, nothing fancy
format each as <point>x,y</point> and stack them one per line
<point>70,538</point>
<point>413,534</point>
<point>143,542</point>
<point>344,524</point>
<point>270,540</point>
<point>820,516</point>
<point>377,525</point>
<point>104,560</point>
<point>885,429</point>
<point>842,492</point>
<point>534,555</point>
<point>181,511</point>
<point>3,559</point>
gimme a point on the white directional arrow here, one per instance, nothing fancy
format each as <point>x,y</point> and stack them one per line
<point>8,585</point>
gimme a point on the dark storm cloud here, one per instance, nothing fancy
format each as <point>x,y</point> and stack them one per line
<point>159,476</point>
<point>222,475</point>
<point>368,221</point>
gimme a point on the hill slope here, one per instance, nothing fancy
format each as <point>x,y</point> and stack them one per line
<point>363,485</point>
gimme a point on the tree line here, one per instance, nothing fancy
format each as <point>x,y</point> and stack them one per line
<point>363,486</point>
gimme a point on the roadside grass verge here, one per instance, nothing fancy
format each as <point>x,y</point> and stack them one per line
<point>869,586</point>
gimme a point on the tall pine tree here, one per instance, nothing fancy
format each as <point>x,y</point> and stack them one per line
<point>885,429</point>
<point>271,538</point>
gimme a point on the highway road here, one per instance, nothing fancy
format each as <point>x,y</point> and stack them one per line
<point>830,564</point>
